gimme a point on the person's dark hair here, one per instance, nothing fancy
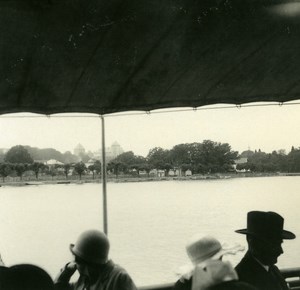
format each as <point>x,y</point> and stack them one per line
<point>29,277</point>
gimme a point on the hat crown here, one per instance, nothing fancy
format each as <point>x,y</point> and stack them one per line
<point>266,224</point>
<point>201,249</point>
<point>91,246</point>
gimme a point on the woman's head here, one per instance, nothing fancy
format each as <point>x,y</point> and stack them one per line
<point>201,249</point>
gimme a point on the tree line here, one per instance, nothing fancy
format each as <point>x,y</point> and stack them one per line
<point>18,160</point>
<point>199,158</point>
<point>207,157</point>
<point>277,161</point>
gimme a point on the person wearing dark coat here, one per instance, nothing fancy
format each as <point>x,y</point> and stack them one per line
<point>264,235</point>
<point>96,271</point>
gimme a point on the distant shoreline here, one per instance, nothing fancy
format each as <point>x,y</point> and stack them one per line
<point>125,179</point>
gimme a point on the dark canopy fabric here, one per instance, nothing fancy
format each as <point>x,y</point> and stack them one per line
<point>109,56</point>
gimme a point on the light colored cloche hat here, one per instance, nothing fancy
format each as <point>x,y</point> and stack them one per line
<point>202,249</point>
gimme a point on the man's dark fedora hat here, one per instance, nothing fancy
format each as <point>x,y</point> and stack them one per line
<point>268,225</point>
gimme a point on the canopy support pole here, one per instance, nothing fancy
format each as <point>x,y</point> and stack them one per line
<point>103,175</point>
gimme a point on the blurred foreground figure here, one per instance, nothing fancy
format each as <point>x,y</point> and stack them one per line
<point>1,262</point>
<point>96,271</point>
<point>264,235</point>
<point>218,275</point>
<point>203,251</point>
<point>4,277</point>
<point>27,277</point>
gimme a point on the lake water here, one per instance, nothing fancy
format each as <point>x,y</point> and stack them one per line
<point>149,222</point>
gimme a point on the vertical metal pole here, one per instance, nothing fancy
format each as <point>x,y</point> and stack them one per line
<point>103,163</point>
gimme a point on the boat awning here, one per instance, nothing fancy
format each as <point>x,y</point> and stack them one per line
<point>111,56</point>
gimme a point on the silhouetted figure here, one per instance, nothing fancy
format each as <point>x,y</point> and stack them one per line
<point>96,271</point>
<point>4,278</point>
<point>264,235</point>
<point>29,277</point>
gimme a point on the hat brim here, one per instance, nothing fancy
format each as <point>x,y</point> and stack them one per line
<point>71,248</point>
<point>186,271</point>
<point>75,253</point>
<point>79,255</point>
<point>286,235</point>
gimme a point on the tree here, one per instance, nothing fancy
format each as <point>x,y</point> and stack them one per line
<point>116,167</point>
<point>92,169</point>
<point>18,154</point>
<point>247,154</point>
<point>44,154</point>
<point>147,167</point>
<point>20,169</point>
<point>158,156</point>
<point>5,170</point>
<point>185,167</point>
<point>52,170</point>
<point>214,156</point>
<point>293,160</point>
<point>68,157</point>
<point>84,157</point>
<point>181,154</point>
<point>167,167</point>
<point>98,167</point>
<point>127,158</point>
<point>2,155</point>
<point>36,167</point>
<point>80,168</point>
<point>66,168</point>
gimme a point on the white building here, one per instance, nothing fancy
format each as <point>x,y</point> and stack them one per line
<point>53,162</point>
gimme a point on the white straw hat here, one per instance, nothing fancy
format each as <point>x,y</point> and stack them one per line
<point>202,249</point>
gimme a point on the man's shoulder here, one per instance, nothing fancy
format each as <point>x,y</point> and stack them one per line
<point>118,278</point>
<point>116,268</point>
<point>119,273</point>
<point>247,261</point>
<point>249,267</point>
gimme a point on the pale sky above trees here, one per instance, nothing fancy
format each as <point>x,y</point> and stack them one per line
<point>266,128</point>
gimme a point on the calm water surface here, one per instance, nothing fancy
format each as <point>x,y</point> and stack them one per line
<point>149,222</point>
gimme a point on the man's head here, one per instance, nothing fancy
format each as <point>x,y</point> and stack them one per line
<point>266,251</point>
<point>91,252</point>
<point>265,235</point>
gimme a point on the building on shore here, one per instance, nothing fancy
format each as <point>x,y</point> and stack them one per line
<point>110,152</point>
<point>79,149</point>
<point>241,160</point>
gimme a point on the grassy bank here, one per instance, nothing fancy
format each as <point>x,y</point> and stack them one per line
<point>85,179</point>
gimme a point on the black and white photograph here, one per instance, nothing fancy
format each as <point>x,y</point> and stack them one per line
<point>150,145</point>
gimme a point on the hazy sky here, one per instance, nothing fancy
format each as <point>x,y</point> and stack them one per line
<point>266,128</point>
